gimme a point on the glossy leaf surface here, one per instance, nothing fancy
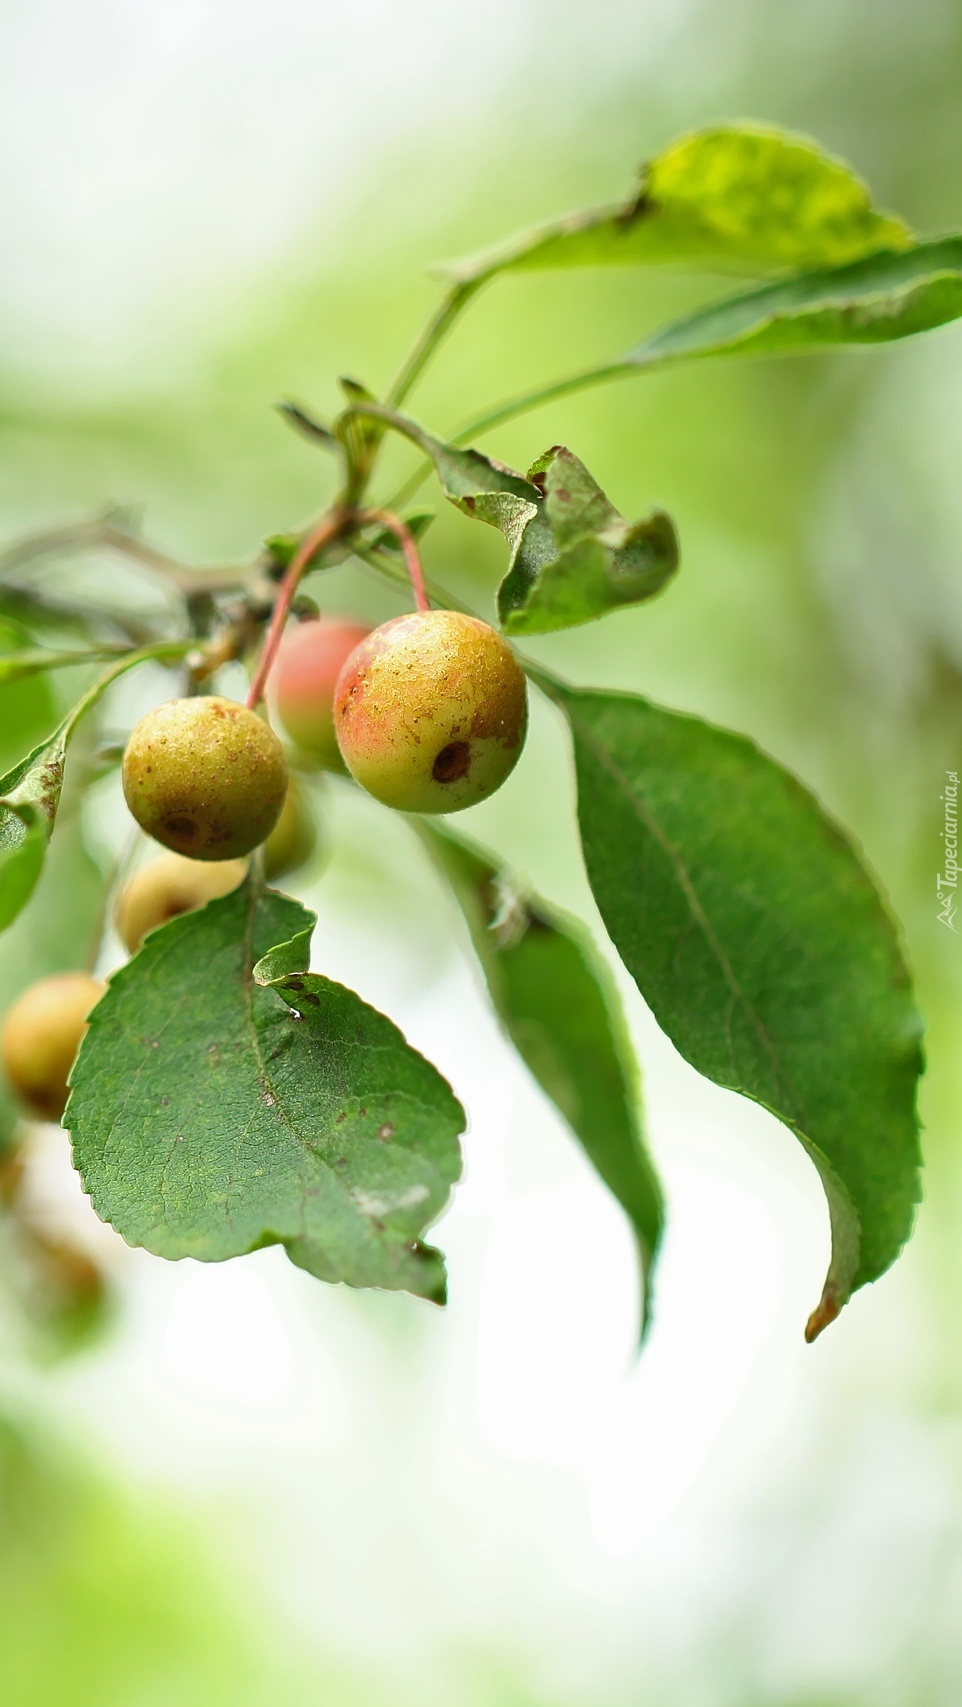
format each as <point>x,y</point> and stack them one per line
<point>764,950</point>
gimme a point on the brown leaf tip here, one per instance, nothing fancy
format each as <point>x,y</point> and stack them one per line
<point>828,1308</point>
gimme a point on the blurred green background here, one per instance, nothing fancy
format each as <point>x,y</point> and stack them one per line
<point>250,1487</point>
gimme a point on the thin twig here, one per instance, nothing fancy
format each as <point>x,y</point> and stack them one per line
<point>511,407</point>
<point>103,533</point>
<point>509,410</point>
<point>33,610</point>
<point>18,665</point>
<point>437,328</point>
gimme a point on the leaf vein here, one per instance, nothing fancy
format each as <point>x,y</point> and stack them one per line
<point>607,761</point>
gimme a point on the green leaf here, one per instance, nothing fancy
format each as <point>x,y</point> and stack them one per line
<point>360,433</point>
<point>738,197</point>
<point>29,798</point>
<point>306,424</point>
<point>475,483</point>
<point>224,1098</point>
<point>417,523</point>
<point>54,932</point>
<point>280,548</point>
<point>27,705</point>
<point>871,302</point>
<point>578,558</point>
<point>557,1002</point>
<point>572,557</point>
<point>30,792</point>
<point>467,476</point>
<point>763,949</point>
<point>14,637</point>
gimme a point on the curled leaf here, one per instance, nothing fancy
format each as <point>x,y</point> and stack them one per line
<point>572,557</point>
<point>578,559</point>
<point>29,797</point>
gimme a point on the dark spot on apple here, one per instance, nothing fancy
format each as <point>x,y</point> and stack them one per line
<point>182,827</point>
<point>452,762</point>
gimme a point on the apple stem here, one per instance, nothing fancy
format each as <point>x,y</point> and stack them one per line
<point>316,538</point>
<point>408,544</point>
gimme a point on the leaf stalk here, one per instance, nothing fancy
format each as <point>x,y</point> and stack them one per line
<point>437,327</point>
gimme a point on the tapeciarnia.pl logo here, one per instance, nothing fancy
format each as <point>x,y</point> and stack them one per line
<point>948,879</point>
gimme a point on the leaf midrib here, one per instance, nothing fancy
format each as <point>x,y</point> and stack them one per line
<point>279,1106</point>
<point>314,1155</point>
<point>657,350</point>
<point>842,1197</point>
<point>638,806</point>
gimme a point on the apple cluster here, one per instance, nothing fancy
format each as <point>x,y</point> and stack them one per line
<point>428,713</point>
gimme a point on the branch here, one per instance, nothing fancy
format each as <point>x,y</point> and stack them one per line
<point>438,326</point>
<point>105,534</point>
